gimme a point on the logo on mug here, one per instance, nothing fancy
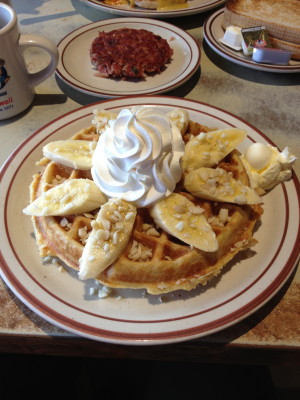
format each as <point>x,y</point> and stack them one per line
<point>4,77</point>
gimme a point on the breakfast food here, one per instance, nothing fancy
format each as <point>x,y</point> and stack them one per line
<point>293,48</point>
<point>255,42</point>
<point>152,225</point>
<point>149,4</point>
<point>129,53</point>
<point>232,37</point>
<point>281,20</point>
<point>161,5</point>
<point>266,166</point>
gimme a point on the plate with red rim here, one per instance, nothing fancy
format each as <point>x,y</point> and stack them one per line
<point>213,32</point>
<point>132,316</point>
<point>76,70</point>
<point>193,7</point>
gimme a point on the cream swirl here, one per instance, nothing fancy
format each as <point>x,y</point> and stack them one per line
<point>137,157</point>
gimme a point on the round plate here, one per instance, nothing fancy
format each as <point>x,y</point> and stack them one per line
<point>213,31</point>
<point>131,316</point>
<point>76,70</point>
<point>194,7</point>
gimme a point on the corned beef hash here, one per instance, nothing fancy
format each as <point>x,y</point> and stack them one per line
<point>129,53</point>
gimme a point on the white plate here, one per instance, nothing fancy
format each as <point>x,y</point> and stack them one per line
<point>213,31</point>
<point>60,298</point>
<point>194,7</point>
<point>76,69</point>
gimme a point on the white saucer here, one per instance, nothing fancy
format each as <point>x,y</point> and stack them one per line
<point>130,316</point>
<point>77,71</point>
<point>213,32</point>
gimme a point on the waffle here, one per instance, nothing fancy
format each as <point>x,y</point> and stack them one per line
<point>153,259</point>
<point>173,265</point>
<point>60,236</point>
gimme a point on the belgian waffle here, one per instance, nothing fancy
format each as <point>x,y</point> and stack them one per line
<point>153,259</point>
<point>172,265</point>
<point>61,237</point>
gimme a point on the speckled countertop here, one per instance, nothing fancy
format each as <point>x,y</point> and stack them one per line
<point>269,101</point>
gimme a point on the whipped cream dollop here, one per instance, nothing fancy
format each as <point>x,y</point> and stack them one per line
<point>266,166</point>
<point>137,157</point>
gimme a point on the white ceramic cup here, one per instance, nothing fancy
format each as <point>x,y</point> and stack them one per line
<point>16,83</point>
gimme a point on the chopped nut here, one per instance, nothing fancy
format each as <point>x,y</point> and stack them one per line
<point>223,215</point>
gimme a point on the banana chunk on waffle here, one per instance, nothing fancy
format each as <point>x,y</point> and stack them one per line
<point>160,263</point>
<point>76,154</point>
<point>180,118</point>
<point>219,185</point>
<point>110,234</point>
<point>74,196</point>
<point>61,236</point>
<point>207,149</point>
<point>180,217</point>
<point>178,243</point>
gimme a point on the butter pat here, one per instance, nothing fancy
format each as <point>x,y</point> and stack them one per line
<point>266,166</point>
<point>271,56</point>
<point>232,38</point>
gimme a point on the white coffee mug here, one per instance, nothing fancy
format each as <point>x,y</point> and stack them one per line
<point>16,83</point>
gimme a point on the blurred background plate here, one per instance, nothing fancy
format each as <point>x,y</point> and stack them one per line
<point>194,7</point>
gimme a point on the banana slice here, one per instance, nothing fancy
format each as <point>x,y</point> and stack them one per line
<point>76,154</point>
<point>74,196</point>
<point>207,149</point>
<point>109,237</point>
<point>219,185</point>
<point>181,218</point>
<point>180,118</point>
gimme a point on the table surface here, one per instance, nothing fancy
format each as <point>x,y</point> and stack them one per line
<point>269,101</point>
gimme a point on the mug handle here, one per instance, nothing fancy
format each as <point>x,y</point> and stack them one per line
<point>46,44</point>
